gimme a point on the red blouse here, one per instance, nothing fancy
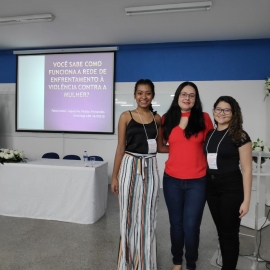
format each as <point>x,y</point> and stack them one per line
<point>186,158</point>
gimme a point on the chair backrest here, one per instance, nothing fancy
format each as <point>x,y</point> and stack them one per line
<point>73,157</point>
<point>51,155</point>
<point>97,158</point>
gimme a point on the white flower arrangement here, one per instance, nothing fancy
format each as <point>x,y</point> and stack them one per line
<point>267,87</point>
<point>8,155</point>
<point>258,146</point>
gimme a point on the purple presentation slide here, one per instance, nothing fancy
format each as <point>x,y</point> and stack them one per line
<point>79,92</point>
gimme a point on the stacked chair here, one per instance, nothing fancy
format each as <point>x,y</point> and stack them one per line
<point>51,155</point>
<point>97,158</point>
<point>72,157</point>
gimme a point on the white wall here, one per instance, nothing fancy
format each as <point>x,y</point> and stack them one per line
<point>249,94</point>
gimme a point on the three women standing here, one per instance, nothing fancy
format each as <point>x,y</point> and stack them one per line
<point>185,127</point>
<point>135,178</point>
<point>227,188</point>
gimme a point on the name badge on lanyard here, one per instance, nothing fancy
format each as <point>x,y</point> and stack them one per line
<point>212,160</point>
<point>152,146</point>
<point>152,143</point>
<point>212,157</point>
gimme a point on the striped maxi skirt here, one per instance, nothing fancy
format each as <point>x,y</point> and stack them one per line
<point>138,198</point>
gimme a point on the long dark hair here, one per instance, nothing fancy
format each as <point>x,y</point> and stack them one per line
<point>173,115</point>
<point>236,123</point>
<point>150,83</point>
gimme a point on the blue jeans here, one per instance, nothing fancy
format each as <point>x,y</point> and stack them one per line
<point>185,201</point>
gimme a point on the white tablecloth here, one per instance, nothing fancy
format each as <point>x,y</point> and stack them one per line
<point>63,190</point>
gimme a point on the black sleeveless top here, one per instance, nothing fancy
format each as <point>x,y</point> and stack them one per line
<point>136,140</point>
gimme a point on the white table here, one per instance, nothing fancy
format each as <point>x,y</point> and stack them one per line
<point>258,194</point>
<point>63,190</point>
<point>267,194</point>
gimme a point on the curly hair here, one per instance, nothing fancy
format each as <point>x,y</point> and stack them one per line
<point>236,123</point>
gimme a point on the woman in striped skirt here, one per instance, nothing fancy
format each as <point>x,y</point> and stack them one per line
<point>135,179</point>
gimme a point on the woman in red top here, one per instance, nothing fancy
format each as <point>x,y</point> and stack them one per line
<point>185,127</point>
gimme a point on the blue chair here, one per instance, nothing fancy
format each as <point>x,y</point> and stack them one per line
<point>51,155</point>
<point>97,158</point>
<point>73,157</point>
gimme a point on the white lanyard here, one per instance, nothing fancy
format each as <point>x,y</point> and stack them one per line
<point>144,126</point>
<point>218,143</point>
<point>152,143</point>
<point>212,157</point>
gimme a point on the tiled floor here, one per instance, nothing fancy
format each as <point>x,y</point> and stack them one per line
<point>29,244</point>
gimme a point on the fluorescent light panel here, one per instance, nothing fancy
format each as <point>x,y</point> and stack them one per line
<point>94,49</point>
<point>193,6</point>
<point>120,102</point>
<point>27,19</point>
